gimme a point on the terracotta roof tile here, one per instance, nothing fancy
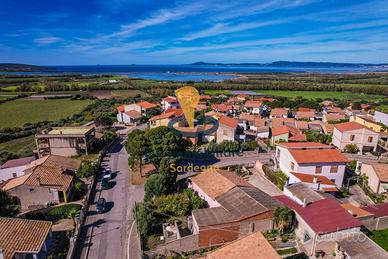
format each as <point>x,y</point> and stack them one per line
<point>252,246</point>
<point>379,210</point>
<point>217,182</point>
<point>252,104</point>
<point>347,126</point>
<point>309,178</point>
<point>305,145</point>
<point>318,156</point>
<point>133,114</point>
<point>147,105</point>
<point>304,115</point>
<point>356,211</point>
<point>227,121</point>
<point>121,108</point>
<point>169,99</point>
<point>276,131</point>
<point>279,112</point>
<point>21,235</point>
<point>334,117</point>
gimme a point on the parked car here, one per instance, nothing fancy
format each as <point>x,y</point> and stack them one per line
<point>101,205</point>
<point>105,182</point>
<point>108,174</point>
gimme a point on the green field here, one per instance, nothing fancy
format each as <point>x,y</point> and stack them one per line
<point>129,93</point>
<point>381,238</point>
<point>17,113</point>
<point>21,146</point>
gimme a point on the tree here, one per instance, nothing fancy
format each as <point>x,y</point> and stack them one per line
<point>136,146</point>
<point>72,214</point>
<point>103,119</point>
<point>351,148</point>
<point>8,205</point>
<point>108,136</point>
<point>313,136</point>
<point>155,185</point>
<point>87,169</point>
<point>145,218</point>
<point>283,218</point>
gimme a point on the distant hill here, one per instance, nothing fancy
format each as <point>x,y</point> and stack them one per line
<point>296,64</point>
<point>12,67</point>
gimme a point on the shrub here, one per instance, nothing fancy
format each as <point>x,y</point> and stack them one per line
<point>351,148</point>
<point>62,212</point>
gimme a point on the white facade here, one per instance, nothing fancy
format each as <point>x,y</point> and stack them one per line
<point>11,172</point>
<point>124,118</point>
<point>287,164</point>
<point>365,139</point>
<point>166,105</point>
<point>381,117</point>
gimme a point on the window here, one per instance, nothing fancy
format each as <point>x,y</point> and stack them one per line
<point>318,170</point>
<point>333,169</point>
<point>370,139</point>
<point>278,153</point>
<point>225,133</point>
<point>31,189</point>
<point>351,137</point>
<point>292,166</point>
<point>14,175</point>
<point>306,237</point>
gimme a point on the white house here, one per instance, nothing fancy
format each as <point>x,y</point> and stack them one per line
<point>14,168</point>
<point>253,106</point>
<point>128,117</point>
<point>170,103</point>
<point>355,133</point>
<point>311,158</point>
<point>381,117</point>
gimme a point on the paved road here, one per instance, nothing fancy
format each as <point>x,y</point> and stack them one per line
<point>106,235</point>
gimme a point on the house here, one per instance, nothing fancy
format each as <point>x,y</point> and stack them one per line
<point>285,134</point>
<point>236,208</point>
<point>14,168</point>
<point>141,107</point>
<point>223,108</point>
<point>227,129</point>
<point>254,245</point>
<point>276,122</point>
<point>377,176</point>
<point>253,106</point>
<point>279,113</point>
<point>129,117</point>
<point>333,117</point>
<point>164,118</point>
<point>48,179</point>
<point>381,117</point>
<point>23,238</point>
<point>305,115</point>
<point>380,216</point>
<point>355,133</point>
<point>311,158</point>
<point>65,141</point>
<point>170,102</point>
<point>368,121</point>
<point>320,223</point>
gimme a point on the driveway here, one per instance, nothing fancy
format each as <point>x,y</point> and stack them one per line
<point>106,235</point>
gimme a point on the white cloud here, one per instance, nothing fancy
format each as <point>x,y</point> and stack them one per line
<point>47,40</point>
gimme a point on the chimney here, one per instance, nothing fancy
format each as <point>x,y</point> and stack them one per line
<point>304,202</point>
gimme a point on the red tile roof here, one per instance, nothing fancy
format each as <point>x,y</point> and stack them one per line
<point>305,145</point>
<point>169,99</point>
<point>298,137</point>
<point>276,131</point>
<point>347,126</point>
<point>305,156</point>
<point>162,116</point>
<point>323,216</point>
<point>253,104</point>
<point>222,107</point>
<point>17,162</point>
<point>303,109</point>
<point>230,122</point>
<point>304,115</point>
<point>133,114</point>
<point>147,105</point>
<point>279,112</point>
<point>309,178</point>
<point>380,210</point>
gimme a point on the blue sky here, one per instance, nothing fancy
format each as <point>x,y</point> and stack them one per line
<point>106,32</point>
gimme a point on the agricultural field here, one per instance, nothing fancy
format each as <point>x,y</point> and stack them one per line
<point>118,94</point>
<point>18,112</point>
<point>21,146</point>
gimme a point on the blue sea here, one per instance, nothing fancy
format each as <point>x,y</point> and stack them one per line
<point>182,72</point>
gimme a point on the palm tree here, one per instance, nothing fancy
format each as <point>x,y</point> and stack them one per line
<point>283,218</point>
<point>72,214</point>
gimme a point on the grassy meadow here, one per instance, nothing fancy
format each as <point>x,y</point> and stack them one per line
<point>18,112</point>
<point>21,146</point>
